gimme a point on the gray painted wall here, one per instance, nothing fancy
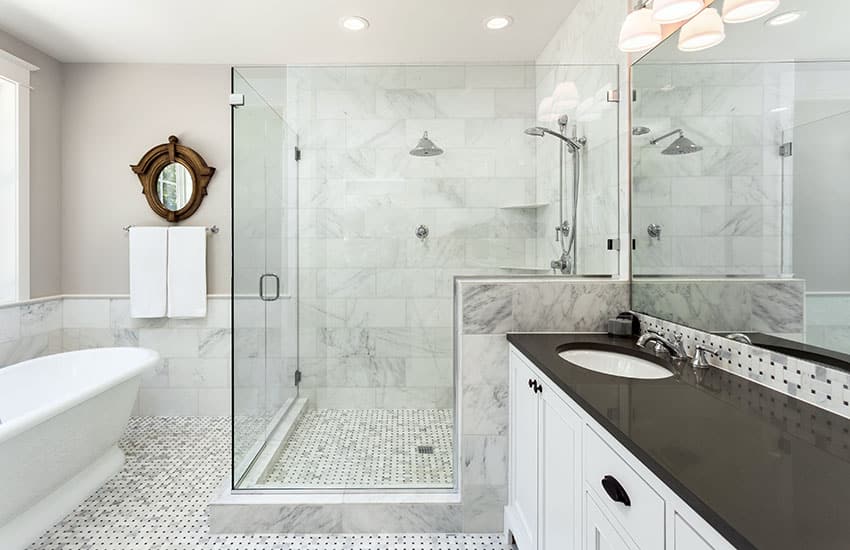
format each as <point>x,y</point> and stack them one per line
<point>112,114</point>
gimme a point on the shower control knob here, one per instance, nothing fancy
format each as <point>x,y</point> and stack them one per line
<point>422,232</point>
<point>654,231</point>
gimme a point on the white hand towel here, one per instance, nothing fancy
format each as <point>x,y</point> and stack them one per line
<point>148,260</point>
<point>187,272</point>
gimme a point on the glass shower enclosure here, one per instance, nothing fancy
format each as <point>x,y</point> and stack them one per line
<point>346,244</point>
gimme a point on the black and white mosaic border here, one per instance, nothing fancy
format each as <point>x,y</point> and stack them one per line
<point>813,383</point>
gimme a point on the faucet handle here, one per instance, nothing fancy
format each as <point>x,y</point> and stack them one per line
<point>700,361</point>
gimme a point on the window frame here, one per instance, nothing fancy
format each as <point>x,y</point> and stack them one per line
<point>18,71</point>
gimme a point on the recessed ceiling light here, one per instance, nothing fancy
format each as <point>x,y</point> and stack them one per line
<point>779,109</point>
<point>354,23</point>
<point>498,22</point>
<point>784,18</point>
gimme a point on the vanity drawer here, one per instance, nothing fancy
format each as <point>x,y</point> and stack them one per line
<point>643,517</point>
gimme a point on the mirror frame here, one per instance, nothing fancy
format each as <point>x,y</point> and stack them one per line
<point>156,159</point>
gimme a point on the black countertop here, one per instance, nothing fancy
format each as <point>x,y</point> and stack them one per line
<point>767,471</point>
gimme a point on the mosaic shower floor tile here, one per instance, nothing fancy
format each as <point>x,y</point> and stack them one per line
<point>158,501</point>
<point>367,448</point>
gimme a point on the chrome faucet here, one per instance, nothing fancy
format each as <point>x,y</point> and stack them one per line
<point>740,337</point>
<point>564,264</point>
<point>675,347</point>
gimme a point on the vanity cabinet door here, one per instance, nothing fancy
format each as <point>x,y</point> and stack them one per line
<point>524,404</point>
<point>560,474</point>
<point>599,532</point>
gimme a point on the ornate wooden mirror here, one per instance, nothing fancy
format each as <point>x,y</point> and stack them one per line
<point>174,179</point>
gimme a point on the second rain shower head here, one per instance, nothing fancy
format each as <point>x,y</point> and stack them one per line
<point>680,146</point>
<point>426,148</point>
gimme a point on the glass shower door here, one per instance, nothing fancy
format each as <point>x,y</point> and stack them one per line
<point>264,292</point>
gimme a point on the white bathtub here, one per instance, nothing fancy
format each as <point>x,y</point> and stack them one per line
<point>60,420</point>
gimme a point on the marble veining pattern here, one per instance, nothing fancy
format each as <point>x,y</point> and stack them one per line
<point>158,501</point>
<point>774,306</point>
<point>363,448</point>
<point>488,308</point>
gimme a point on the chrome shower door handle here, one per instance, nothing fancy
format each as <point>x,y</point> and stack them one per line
<point>263,296</point>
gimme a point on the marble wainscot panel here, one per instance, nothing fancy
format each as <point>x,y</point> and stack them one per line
<point>819,385</point>
<point>30,329</point>
<point>193,378</point>
<point>486,310</point>
<point>772,306</point>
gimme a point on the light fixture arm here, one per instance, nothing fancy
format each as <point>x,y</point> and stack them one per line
<point>668,134</point>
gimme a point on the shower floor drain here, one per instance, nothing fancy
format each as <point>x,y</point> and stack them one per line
<point>425,449</point>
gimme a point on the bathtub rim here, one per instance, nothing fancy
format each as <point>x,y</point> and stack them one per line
<point>14,426</point>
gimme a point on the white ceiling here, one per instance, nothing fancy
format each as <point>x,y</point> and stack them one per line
<point>282,31</point>
<point>820,34</point>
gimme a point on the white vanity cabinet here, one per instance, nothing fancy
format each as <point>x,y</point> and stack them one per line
<point>559,457</point>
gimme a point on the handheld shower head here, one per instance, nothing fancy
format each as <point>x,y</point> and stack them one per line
<point>540,131</point>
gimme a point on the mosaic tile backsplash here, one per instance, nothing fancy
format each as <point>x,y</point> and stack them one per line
<point>816,384</point>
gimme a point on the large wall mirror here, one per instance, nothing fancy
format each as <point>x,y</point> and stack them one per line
<point>740,193</point>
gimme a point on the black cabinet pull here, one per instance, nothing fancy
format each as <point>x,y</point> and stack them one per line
<point>531,383</point>
<point>615,490</point>
<point>538,388</point>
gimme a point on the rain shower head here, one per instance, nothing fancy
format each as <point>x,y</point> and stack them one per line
<point>537,131</point>
<point>681,146</point>
<point>426,148</point>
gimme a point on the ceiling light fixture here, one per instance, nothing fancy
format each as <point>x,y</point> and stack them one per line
<point>704,31</point>
<point>784,18</point>
<point>639,32</point>
<point>743,11</point>
<point>498,22</point>
<point>779,109</point>
<point>673,11</point>
<point>354,23</point>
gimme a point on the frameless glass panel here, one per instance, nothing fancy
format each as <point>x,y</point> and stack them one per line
<point>820,196</point>
<point>264,322</point>
<point>410,177</point>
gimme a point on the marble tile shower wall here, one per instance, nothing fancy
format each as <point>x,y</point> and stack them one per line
<point>376,302</point>
<point>720,209</point>
<point>30,330</point>
<point>487,310</point>
<point>596,119</point>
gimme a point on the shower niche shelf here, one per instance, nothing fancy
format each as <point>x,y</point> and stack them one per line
<point>530,206</point>
<point>525,269</point>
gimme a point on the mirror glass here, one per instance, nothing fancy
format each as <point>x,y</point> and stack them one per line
<point>740,192</point>
<point>174,186</point>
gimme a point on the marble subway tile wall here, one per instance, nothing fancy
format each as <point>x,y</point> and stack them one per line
<point>487,310</point>
<point>721,208</point>
<point>29,330</point>
<point>595,119</point>
<point>193,378</point>
<point>376,302</point>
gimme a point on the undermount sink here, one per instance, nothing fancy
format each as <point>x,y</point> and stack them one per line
<point>615,364</point>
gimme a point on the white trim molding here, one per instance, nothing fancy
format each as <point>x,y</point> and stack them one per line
<point>18,71</point>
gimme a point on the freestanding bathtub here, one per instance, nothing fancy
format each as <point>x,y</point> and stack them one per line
<point>60,420</point>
